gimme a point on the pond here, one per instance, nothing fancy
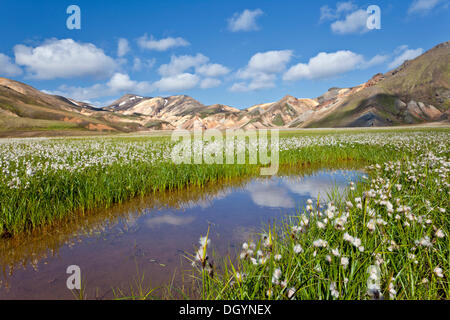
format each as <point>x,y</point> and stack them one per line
<point>151,236</point>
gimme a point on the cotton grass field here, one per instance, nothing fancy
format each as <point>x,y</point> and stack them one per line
<point>387,237</point>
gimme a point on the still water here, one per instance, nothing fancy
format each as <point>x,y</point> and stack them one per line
<point>151,236</point>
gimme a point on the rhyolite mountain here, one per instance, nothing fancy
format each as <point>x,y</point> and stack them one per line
<point>418,91</point>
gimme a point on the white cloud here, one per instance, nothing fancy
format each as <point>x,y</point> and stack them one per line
<point>355,22</point>
<point>325,65</point>
<point>423,6</point>
<point>179,64</point>
<point>183,81</point>
<point>162,44</point>
<point>261,70</point>
<point>212,70</point>
<point>270,61</point>
<point>178,73</point>
<point>376,60</point>
<point>119,83</point>
<point>209,83</point>
<point>244,21</point>
<point>7,67</point>
<point>327,13</point>
<point>258,81</point>
<point>139,64</point>
<point>406,54</point>
<point>169,219</point>
<point>346,18</point>
<point>64,59</point>
<point>269,194</point>
<point>122,47</point>
<point>345,6</point>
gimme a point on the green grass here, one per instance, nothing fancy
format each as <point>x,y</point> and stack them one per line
<point>407,270</point>
<point>69,177</point>
<point>58,194</point>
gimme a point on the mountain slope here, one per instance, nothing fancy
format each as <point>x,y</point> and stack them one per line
<point>417,91</point>
<point>23,107</point>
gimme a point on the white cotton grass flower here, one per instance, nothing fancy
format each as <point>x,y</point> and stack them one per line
<point>277,257</point>
<point>373,283</point>
<point>344,262</point>
<point>424,242</point>
<point>335,252</point>
<point>240,276</point>
<point>291,292</point>
<point>304,221</point>
<point>276,276</point>
<point>262,260</point>
<point>333,290</point>
<point>204,241</point>
<point>391,288</point>
<point>439,272</point>
<point>298,248</point>
<point>320,243</point>
<point>371,225</point>
<point>439,233</point>
<point>347,237</point>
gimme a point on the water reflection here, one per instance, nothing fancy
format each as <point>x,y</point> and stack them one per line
<point>152,233</point>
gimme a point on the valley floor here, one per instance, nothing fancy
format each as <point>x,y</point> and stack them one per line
<point>387,237</point>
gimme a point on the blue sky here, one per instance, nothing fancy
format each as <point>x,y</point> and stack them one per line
<point>238,53</point>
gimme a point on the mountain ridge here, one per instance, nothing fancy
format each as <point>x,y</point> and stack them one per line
<point>418,91</point>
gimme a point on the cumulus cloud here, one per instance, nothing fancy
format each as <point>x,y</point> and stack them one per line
<point>119,83</point>
<point>209,83</point>
<point>270,61</point>
<point>270,195</point>
<point>179,64</point>
<point>328,65</point>
<point>404,54</point>
<point>168,219</point>
<point>423,6</point>
<point>212,70</point>
<point>258,81</point>
<point>179,74</point>
<point>261,70</point>
<point>244,21</point>
<point>122,47</point>
<point>327,13</point>
<point>346,18</point>
<point>182,81</point>
<point>355,22</point>
<point>376,60</point>
<point>64,59</point>
<point>139,64</point>
<point>162,44</point>
<point>7,67</point>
